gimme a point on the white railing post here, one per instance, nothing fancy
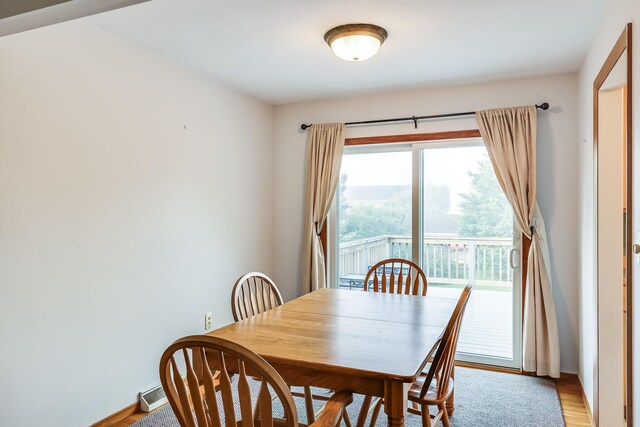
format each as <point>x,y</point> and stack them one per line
<point>363,258</point>
<point>471,261</point>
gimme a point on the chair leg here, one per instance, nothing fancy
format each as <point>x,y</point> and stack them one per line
<point>345,417</point>
<point>445,415</point>
<point>426,417</point>
<point>308,403</point>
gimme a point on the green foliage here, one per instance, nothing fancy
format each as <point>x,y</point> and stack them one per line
<point>361,221</point>
<point>485,211</point>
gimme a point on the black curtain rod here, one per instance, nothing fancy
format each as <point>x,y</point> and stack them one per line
<point>414,119</point>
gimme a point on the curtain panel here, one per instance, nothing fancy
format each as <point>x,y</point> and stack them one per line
<point>510,137</point>
<point>325,145</point>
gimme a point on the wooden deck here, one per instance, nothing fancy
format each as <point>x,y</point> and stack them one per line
<point>488,322</point>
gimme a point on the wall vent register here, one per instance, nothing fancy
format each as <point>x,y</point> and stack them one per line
<point>152,399</point>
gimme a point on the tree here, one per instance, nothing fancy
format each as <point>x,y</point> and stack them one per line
<point>485,211</point>
<point>361,221</point>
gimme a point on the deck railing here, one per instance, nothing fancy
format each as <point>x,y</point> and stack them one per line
<point>446,260</point>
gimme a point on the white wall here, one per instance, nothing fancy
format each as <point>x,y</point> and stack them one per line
<point>557,169</point>
<point>618,14</point>
<point>133,192</point>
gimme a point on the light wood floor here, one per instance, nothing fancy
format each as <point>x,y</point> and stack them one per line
<point>573,406</point>
<point>569,390</point>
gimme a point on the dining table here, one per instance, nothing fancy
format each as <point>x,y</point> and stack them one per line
<point>368,343</point>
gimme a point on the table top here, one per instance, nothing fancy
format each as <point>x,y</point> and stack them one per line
<point>374,335</point>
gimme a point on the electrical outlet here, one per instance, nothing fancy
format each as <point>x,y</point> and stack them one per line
<point>208,321</point>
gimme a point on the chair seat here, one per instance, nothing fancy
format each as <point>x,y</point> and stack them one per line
<point>431,397</point>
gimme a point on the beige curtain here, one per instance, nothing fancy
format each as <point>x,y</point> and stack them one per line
<point>510,137</point>
<point>324,156</point>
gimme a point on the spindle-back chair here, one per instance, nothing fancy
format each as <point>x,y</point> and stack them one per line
<point>396,276</point>
<point>215,407</point>
<point>254,293</point>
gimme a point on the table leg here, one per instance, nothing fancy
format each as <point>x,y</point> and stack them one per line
<point>451,399</point>
<point>395,402</point>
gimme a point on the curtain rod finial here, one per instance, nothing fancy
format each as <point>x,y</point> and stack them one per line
<point>543,106</point>
<point>304,126</point>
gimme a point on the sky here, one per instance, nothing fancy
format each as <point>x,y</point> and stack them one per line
<point>448,165</point>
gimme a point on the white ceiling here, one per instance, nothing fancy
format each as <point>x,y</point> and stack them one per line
<point>274,49</point>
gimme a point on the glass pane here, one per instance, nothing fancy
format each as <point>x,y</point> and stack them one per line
<point>468,236</point>
<point>374,213</point>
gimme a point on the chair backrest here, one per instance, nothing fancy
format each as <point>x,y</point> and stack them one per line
<point>253,294</point>
<point>444,359</point>
<point>397,276</point>
<point>201,357</point>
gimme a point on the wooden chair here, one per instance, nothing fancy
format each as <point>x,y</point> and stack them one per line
<point>187,398</point>
<point>255,293</point>
<point>252,294</point>
<point>397,276</point>
<point>434,387</point>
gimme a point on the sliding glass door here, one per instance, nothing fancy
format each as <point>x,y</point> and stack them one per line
<point>467,237</point>
<point>440,205</point>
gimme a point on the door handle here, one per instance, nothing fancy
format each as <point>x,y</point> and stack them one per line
<point>636,248</point>
<point>514,262</point>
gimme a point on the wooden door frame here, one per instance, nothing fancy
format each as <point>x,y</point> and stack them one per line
<point>623,45</point>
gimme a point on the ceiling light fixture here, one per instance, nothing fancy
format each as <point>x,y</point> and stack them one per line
<point>355,42</point>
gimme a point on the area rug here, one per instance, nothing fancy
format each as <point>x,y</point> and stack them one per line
<point>483,398</point>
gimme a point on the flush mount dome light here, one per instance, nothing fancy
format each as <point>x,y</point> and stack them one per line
<point>355,42</point>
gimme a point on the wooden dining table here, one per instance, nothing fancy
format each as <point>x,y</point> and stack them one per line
<point>364,342</point>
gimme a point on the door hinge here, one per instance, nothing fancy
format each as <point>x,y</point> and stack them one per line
<point>625,412</point>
